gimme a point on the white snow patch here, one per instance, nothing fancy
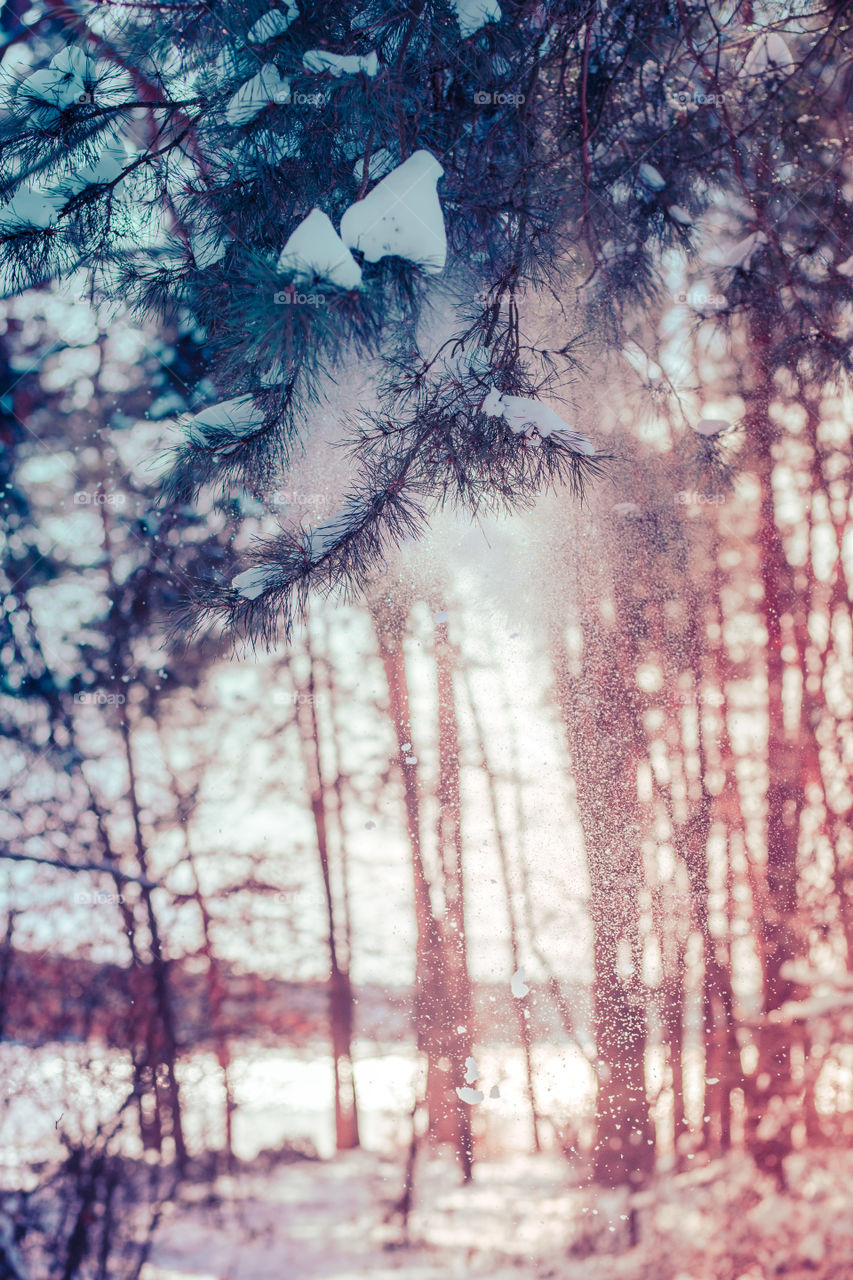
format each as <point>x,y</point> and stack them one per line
<point>407,746</point>
<point>381,161</point>
<point>711,426</point>
<point>518,986</point>
<point>264,89</point>
<point>471,1071</point>
<point>494,1092</point>
<point>524,417</point>
<point>680,215</point>
<point>240,416</point>
<point>441,617</point>
<point>401,216</point>
<point>272,23</point>
<point>411,759</point>
<point>325,535</point>
<point>651,177</point>
<point>208,247</point>
<point>768,52</point>
<point>341,64</point>
<point>846,268</point>
<point>111,161</point>
<point>253,582</point>
<point>315,250</point>
<point>31,207</point>
<point>471,1096</point>
<point>740,254</point>
<point>474,14</point>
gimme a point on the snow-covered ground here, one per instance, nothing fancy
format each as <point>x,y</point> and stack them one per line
<point>524,1217</point>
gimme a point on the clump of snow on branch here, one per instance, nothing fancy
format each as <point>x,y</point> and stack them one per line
<point>651,177</point>
<point>401,216</point>
<point>740,255</point>
<point>263,90</point>
<point>315,251</point>
<point>471,1096</point>
<point>340,64</point>
<point>381,161</point>
<point>768,52</point>
<point>239,417</point>
<point>474,14</point>
<point>253,582</point>
<point>712,426</point>
<point>325,535</point>
<point>271,24</point>
<point>31,207</point>
<point>526,417</point>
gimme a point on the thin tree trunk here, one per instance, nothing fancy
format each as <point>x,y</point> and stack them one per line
<point>524,1032</point>
<point>594,712</point>
<point>457,978</point>
<point>429,945</point>
<point>340,989</point>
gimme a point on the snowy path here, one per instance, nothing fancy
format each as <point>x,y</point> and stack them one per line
<point>326,1220</point>
<point>522,1219</point>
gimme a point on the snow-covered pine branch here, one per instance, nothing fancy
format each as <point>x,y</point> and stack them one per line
<point>304,187</point>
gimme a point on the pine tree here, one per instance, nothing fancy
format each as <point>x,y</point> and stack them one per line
<point>314,187</point>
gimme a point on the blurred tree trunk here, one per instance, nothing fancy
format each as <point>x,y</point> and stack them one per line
<point>340,987</point>
<point>771,1139</point>
<point>601,742</point>
<point>434,1037</point>
<point>161,1048</point>
<point>524,1032</point>
<point>459,1009</point>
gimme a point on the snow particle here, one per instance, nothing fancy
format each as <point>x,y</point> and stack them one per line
<point>471,1096</point>
<point>517,984</point>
